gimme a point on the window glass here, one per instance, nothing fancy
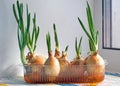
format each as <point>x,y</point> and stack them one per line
<point>111,24</point>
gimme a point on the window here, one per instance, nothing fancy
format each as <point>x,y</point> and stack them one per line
<point>111,24</point>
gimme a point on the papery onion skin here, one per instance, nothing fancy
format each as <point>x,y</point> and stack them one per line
<point>95,62</point>
<point>52,67</point>
<point>95,67</point>
<point>77,68</point>
<point>35,59</point>
<point>57,53</point>
<point>39,60</point>
<point>64,64</point>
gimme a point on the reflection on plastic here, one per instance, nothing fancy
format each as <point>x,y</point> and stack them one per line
<point>72,74</point>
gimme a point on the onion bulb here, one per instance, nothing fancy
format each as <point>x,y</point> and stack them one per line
<point>95,67</point>
<point>64,67</point>
<point>52,66</point>
<point>64,59</point>
<point>95,63</point>
<point>35,59</point>
<point>64,63</point>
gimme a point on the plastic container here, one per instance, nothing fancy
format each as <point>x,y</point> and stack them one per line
<point>70,74</point>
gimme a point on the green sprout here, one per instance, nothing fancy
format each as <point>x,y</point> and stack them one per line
<point>78,48</point>
<point>32,41</point>
<point>93,35</point>
<point>22,31</point>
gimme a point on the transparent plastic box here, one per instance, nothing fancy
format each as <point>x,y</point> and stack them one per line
<point>71,74</point>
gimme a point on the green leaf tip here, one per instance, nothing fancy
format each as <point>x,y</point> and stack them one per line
<point>48,41</point>
<point>78,47</point>
<point>56,37</point>
<point>66,48</point>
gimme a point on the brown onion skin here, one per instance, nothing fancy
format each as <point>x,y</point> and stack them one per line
<point>27,79</point>
<point>35,59</point>
<point>63,60</point>
<point>39,60</point>
<point>57,53</point>
<point>34,73</point>
<point>64,68</point>
<point>34,77</point>
<point>77,68</point>
<point>95,66</point>
<point>52,67</point>
<point>63,65</point>
<point>78,61</point>
<point>36,62</point>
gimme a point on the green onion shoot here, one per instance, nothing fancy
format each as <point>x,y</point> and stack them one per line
<point>22,31</point>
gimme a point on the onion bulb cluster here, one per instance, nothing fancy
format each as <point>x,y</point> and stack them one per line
<point>57,67</point>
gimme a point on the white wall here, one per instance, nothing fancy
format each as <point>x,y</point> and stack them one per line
<point>112,56</point>
<point>63,13</point>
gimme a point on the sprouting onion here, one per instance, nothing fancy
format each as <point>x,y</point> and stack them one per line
<point>22,31</point>
<point>57,49</point>
<point>78,60</point>
<point>32,38</point>
<point>64,64</point>
<point>64,58</point>
<point>95,63</point>
<point>52,66</point>
<point>77,65</point>
<point>64,53</point>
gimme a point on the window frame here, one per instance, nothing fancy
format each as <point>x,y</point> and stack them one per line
<point>107,25</point>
